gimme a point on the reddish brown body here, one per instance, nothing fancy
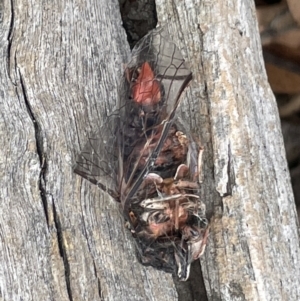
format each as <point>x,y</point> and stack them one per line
<point>146,89</point>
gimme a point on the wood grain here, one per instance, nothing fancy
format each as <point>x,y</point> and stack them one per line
<point>62,238</point>
<point>253,250</point>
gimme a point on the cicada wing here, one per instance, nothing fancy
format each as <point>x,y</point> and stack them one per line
<point>149,112</point>
<point>124,149</point>
<point>98,160</point>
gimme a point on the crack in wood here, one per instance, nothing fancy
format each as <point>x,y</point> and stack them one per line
<point>193,289</point>
<point>138,18</point>
<point>98,281</point>
<point>62,250</point>
<point>42,180</point>
<point>9,39</point>
<point>39,148</point>
<point>230,173</point>
<point>11,25</point>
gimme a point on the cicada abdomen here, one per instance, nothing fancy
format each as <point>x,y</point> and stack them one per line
<point>154,158</point>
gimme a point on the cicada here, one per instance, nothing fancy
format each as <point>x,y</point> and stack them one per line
<point>148,162</point>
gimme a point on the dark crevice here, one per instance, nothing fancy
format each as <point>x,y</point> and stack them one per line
<point>39,148</point>
<point>98,281</point>
<point>99,290</point>
<point>193,289</point>
<point>9,37</point>
<point>42,185</point>
<point>266,2</point>
<point>138,17</point>
<point>43,163</point>
<point>230,174</point>
<point>62,250</point>
<point>11,25</point>
<point>197,282</point>
<point>184,289</point>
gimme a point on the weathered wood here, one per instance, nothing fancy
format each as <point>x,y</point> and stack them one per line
<point>62,238</point>
<point>253,251</point>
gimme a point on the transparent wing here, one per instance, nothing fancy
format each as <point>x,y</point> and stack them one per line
<point>144,158</point>
<point>98,160</point>
<point>169,66</point>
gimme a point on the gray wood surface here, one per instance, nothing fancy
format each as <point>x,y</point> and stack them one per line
<point>253,251</point>
<point>61,238</point>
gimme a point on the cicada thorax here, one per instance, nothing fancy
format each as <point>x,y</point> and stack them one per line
<point>145,106</point>
<point>143,113</point>
<point>146,89</point>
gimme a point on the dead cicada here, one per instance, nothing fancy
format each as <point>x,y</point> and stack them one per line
<point>154,164</point>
